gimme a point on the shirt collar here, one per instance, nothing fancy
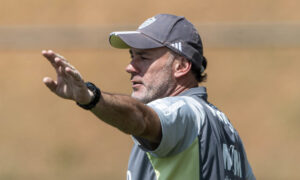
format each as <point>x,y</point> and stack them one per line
<point>198,91</point>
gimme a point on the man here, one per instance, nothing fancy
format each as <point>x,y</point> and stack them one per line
<point>178,135</point>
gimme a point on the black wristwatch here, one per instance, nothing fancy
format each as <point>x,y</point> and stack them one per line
<point>97,95</point>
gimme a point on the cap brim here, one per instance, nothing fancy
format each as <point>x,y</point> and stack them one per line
<point>132,39</point>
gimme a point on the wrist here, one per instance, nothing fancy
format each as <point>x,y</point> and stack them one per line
<point>90,97</point>
<point>94,94</point>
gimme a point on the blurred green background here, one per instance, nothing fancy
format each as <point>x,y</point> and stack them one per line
<point>253,54</point>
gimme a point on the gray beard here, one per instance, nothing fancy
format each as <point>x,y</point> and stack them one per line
<point>154,93</point>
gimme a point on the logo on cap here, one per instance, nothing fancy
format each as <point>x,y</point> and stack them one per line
<point>147,22</point>
<point>177,45</point>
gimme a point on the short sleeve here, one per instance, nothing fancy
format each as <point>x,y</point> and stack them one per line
<point>181,118</point>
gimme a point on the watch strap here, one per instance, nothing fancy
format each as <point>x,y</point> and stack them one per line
<point>97,95</point>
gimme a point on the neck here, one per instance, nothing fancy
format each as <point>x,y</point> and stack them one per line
<point>183,85</point>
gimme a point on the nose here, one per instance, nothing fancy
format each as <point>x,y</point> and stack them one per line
<point>130,68</point>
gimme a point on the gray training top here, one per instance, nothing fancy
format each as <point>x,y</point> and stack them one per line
<point>198,143</point>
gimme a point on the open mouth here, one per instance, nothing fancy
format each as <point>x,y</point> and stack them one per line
<point>136,81</point>
<point>136,84</point>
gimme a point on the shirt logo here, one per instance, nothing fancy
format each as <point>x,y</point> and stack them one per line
<point>232,160</point>
<point>147,22</point>
<point>170,108</point>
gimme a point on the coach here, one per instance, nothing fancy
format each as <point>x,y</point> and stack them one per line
<point>178,134</point>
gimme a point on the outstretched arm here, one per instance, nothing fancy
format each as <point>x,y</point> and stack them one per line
<point>125,113</point>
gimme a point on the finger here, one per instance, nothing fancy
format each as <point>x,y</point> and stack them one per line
<point>50,56</point>
<point>73,73</point>
<point>63,65</point>
<point>63,62</point>
<point>50,83</point>
<point>61,69</point>
<point>60,56</point>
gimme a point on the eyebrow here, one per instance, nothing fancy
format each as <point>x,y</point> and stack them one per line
<point>140,53</point>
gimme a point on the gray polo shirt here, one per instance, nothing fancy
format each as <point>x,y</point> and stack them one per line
<point>198,143</point>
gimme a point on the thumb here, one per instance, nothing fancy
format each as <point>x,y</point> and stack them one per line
<point>50,83</point>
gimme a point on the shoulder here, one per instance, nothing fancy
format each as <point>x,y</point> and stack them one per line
<point>184,111</point>
<point>169,105</point>
<point>181,118</point>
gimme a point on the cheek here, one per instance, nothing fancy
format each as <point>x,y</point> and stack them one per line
<point>148,80</point>
<point>154,79</point>
<point>143,68</point>
<point>156,74</point>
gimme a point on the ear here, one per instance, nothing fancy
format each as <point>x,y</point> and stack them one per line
<point>181,66</point>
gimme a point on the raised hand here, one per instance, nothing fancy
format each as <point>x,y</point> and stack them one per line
<point>69,83</point>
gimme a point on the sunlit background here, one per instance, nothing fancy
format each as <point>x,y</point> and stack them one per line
<point>252,47</point>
